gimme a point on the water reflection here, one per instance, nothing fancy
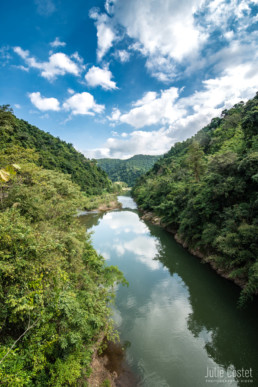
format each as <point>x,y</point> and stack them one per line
<point>127,202</point>
<point>178,314</point>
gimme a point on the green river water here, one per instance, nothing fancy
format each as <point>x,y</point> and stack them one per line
<point>178,318</point>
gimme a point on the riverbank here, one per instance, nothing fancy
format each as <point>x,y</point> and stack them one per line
<point>174,306</point>
<point>102,203</point>
<point>109,368</point>
<point>154,219</point>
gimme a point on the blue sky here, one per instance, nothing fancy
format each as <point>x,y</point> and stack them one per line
<point>118,78</point>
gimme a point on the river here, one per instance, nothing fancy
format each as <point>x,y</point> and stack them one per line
<point>178,318</point>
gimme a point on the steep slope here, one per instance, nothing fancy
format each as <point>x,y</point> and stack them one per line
<point>205,189</point>
<point>53,152</point>
<point>54,287</point>
<point>128,170</point>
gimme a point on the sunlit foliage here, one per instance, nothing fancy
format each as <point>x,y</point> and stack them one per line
<point>55,289</point>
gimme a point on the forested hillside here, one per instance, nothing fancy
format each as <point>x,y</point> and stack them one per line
<point>128,170</point>
<point>53,153</point>
<point>205,189</point>
<point>55,289</point>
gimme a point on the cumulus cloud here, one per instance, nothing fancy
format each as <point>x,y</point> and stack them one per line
<point>80,103</point>
<point>153,109</point>
<point>83,103</point>
<point>58,64</point>
<point>43,103</point>
<point>106,34</point>
<point>100,77</point>
<point>158,26</point>
<point>167,108</point>
<point>180,117</point>
<point>171,34</point>
<point>57,43</point>
<point>164,31</point>
<point>137,142</point>
<point>115,115</point>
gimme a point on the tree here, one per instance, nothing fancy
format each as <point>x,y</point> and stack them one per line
<point>195,159</point>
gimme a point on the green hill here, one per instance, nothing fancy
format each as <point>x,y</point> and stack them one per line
<point>55,289</point>
<point>128,170</point>
<point>205,189</point>
<point>53,152</point>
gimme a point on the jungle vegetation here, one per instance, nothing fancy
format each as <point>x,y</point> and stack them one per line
<point>53,153</point>
<point>205,189</point>
<point>127,171</point>
<point>55,290</point>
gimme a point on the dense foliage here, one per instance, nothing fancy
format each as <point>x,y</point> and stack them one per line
<point>53,153</point>
<point>128,170</point>
<point>54,287</point>
<point>205,188</point>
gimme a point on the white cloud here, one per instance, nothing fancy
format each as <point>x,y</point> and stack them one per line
<point>43,103</point>
<point>77,57</point>
<point>137,142</point>
<point>172,34</point>
<point>218,13</point>
<point>22,53</point>
<point>58,64</point>
<point>83,103</point>
<point>17,106</point>
<point>105,32</point>
<point>57,43</point>
<point>180,117</point>
<point>115,115</point>
<point>100,77</point>
<point>152,109</point>
<point>166,27</point>
<point>147,98</point>
<point>229,34</point>
<point>166,108</point>
<point>80,103</point>
<point>70,91</point>
<point>165,31</point>
<point>122,55</point>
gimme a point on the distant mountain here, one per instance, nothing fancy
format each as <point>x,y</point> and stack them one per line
<point>53,152</point>
<point>128,170</point>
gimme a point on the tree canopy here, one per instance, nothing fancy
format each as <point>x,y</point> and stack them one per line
<point>55,289</point>
<point>205,188</point>
<point>129,170</point>
<point>52,152</point>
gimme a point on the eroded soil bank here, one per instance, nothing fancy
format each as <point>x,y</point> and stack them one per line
<point>110,368</point>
